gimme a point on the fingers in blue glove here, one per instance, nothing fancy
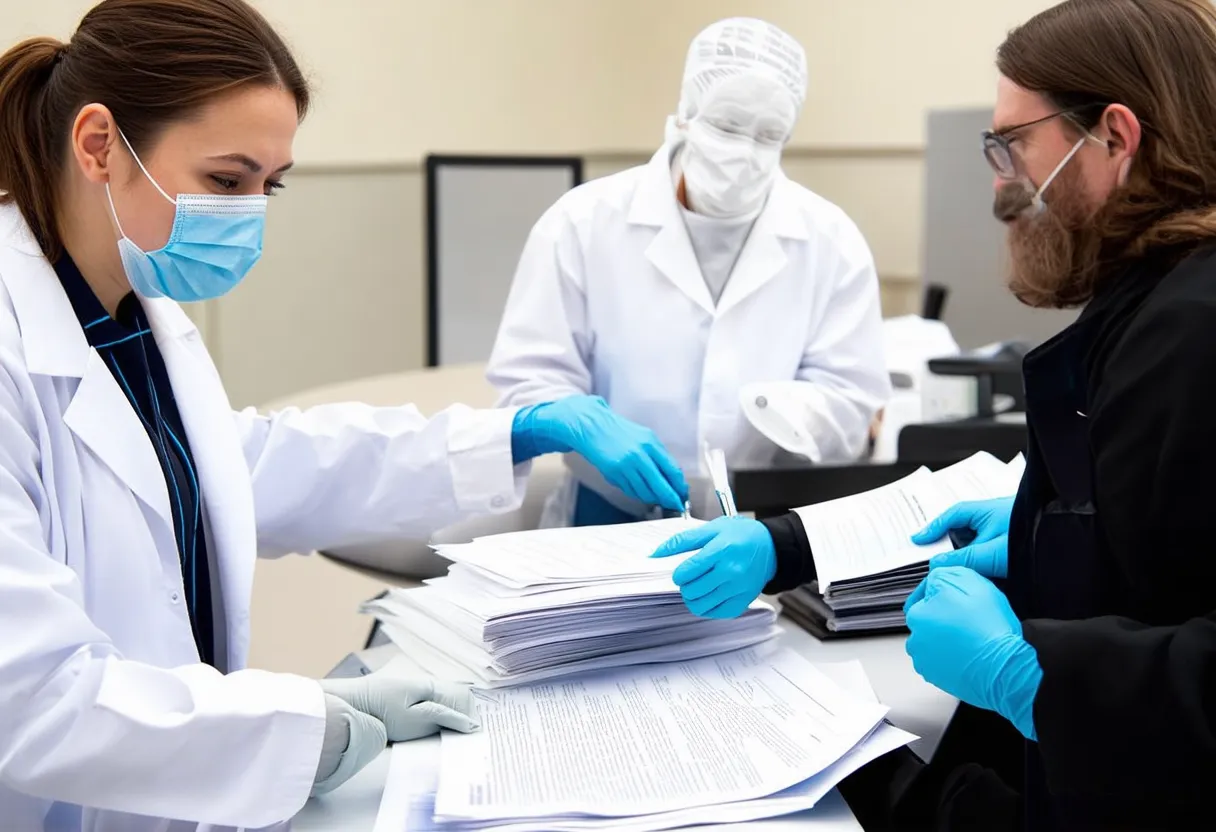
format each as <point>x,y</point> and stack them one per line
<point>706,604</point>
<point>670,471</point>
<point>955,517</point>
<point>989,519</point>
<point>990,559</point>
<point>930,585</point>
<point>702,579</point>
<point>917,595</point>
<point>661,491</point>
<point>690,540</point>
<point>722,603</point>
<point>697,566</point>
<point>634,483</point>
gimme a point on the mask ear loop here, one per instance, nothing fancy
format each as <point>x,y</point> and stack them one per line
<point>148,176</point>
<point>1036,201</point>
<point>139,162</point>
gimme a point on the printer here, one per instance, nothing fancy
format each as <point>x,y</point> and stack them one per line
<point>998,423</point>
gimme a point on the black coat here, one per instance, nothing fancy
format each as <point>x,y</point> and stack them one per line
<point>1112,555</point>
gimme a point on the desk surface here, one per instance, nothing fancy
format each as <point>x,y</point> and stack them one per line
<point>915,706</point>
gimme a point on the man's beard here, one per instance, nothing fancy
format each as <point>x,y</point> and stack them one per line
<point>1053,254</point>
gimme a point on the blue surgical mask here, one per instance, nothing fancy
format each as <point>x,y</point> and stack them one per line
<point>214,243</point>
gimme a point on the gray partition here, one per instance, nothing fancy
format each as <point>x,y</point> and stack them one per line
<point>965,244</point>
<point>479,212</point>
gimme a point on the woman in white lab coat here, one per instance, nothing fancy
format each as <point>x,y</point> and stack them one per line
<point>703,295</point>
<point>135,162</point>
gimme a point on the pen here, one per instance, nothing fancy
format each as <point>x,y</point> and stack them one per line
<point>715,460</point>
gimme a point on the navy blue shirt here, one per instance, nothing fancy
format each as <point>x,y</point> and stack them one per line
<point>126,344</point>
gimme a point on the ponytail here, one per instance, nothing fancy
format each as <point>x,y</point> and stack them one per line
<point>27,158</point>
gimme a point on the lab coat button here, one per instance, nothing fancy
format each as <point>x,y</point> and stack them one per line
<point>761,401</point>
<point>175,597</point>
<point>498,502</point>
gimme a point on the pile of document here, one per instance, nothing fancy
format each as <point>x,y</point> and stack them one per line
<point>749,735</point>
<point>866,562</point>
<point>530,606</point>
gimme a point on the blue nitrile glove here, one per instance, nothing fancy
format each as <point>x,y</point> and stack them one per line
<point>967,641</point>
<point>628,455</point>
<point>988,552</point>
<point>736,560</point>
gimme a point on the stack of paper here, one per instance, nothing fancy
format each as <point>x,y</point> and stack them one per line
<point>529,606</point>
<point>864,557</point>
<point>744,736</point>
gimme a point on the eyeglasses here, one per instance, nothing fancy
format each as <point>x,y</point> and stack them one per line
<point>996,144</point>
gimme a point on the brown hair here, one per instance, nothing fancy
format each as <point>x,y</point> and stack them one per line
<point>1157,58</point>
<point>151,62</point>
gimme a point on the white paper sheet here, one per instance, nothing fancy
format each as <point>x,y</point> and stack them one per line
<point>799,798</point>
<point>413,778</point>
<point>585,554</point>
<point>645,740</point>
<point>869,533</point>
<point>436,656</point>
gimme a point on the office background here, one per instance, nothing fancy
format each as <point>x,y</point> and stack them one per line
<point>340,292</point>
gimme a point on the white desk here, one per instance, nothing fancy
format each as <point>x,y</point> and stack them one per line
<point>915,706</point>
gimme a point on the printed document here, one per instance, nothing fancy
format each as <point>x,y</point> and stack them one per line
<point>870,533</point>
<point>643,740</point>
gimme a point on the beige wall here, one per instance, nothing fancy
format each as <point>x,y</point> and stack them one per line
<point>339,293</point>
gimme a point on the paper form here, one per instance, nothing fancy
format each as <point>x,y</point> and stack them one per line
<point>413,777</point>
<point>979,477</point>
<point>641,740</point>
<point>866,534</point>
<point>417,807</point>
<point>594,553</point>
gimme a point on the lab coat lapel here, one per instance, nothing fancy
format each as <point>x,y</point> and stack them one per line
<point>654,204</point>
<point>763,256</point>
<point>219,459</point>
<point>101,416</point>
<point>99,413</point>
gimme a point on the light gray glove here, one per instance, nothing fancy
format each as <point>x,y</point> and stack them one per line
<point>352,740</point>
<point>410,707</point>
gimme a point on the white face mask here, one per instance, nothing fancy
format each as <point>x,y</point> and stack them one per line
<point>726,175</point>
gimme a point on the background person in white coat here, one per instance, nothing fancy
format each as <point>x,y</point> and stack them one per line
<point>135,162</point>
<point>703,288</point>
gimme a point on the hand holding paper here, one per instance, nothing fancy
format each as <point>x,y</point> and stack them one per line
<point>988,551</point>
<point>736,560</point>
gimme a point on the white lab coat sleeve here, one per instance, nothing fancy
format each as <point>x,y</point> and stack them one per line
<point>842,380</point>
<point>344,474</point>
<point>82,724</point>
<point>543,346</point>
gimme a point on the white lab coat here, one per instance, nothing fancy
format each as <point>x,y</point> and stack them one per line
<point>608,299</point>
<point>105,703</point>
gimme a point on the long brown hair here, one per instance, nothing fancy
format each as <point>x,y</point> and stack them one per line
<point>152,62</point>
<point>1157,58</point>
